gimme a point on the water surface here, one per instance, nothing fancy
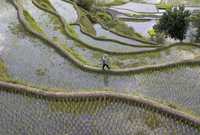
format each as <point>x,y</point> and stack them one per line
<point>142,27</point>
<point>32,61</point>
<point>136,7</point>
<point>66,10</point>
<point>21,114</point>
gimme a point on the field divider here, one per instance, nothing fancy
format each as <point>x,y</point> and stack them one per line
<point>105,51</point>
<point>114,32</point>
<point>68,33</point>
<point>106,39</point>
<point>89,68</point>
<point>115,41</point>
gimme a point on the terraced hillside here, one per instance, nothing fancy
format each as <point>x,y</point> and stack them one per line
<point>55,45</point>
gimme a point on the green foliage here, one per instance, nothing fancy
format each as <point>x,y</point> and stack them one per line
<point>104,16</point>
<point>178,2</point>
<point>31,21</point>
<point>156,36</point>
<point>116,25</point>
<point>78,107</point>
<point>86,24</point>
<point>16,28</point>
<point>86,4</point>
<point>121,27</point>
<point>174,23</point>
<point>111,3</point>
<point>41,72</point>
<point>92,18</point>
<point>166,6</point>
<point>196,23</point>
<point>152,121</point>
<point>3,71</point>
<point>152,33</point>
<point>45,4</point>
<point>69,29</point>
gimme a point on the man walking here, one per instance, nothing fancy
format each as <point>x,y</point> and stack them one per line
<point>105,62</point>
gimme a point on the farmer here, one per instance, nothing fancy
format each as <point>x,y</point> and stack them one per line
<point>105,62</point>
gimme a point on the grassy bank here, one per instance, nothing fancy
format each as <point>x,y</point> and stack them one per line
<point>3,71</point>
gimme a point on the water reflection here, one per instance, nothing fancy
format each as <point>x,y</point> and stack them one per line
<point>66,10</point>
<point>106,80</point>
<point>142,27</point>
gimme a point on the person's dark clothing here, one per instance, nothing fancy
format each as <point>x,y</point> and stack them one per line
<point>106,65</point>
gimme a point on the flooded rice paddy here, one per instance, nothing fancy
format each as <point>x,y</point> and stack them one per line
<point>34,62</point>
<point>22,114</point>
<point>101,32</point>
<point>142,27</point>
<point>106,45</point>
<point>136,7</point>
<point>61,7</point>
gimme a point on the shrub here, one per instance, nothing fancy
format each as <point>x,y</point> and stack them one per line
<point>196,23</point>
<point>174,23</point>
<point>86,4</point>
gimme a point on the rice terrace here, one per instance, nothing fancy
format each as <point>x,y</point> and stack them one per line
<point>100,67</point>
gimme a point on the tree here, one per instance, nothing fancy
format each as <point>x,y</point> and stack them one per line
<point>86,4</point>
<point>174,23</point>
<point>196,23</point>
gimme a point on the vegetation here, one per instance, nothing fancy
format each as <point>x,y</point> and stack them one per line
<point>45,4</point>
<point>86,24</point>
<point>31,21</point>
<point>70,30</point>
<point>41,72</point>
<point>75,115</point>
<point>107,3</point>
<point>104,16</point>
<point>66,115</point>
<point>77,107</point>
<point>116,25</point>
<point>156,36</point>
<point>174,23</point>
<point>86,4</point>
<point>152,121</point>
<point>196,23</point>
<point>178,2</point>
<point>3,71</point>
<point>166,6</point>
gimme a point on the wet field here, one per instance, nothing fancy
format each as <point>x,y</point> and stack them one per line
<point>34,62</point>
<point>22,114</point>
